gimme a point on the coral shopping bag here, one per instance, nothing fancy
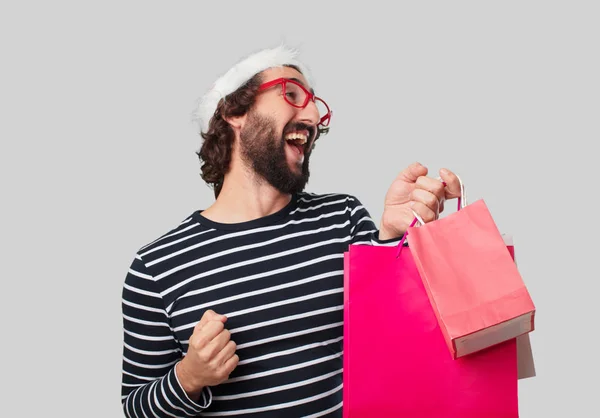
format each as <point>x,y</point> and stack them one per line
<point>476,290</point>
<point>396,362</point>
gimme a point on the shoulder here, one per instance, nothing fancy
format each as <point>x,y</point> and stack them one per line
<point>181,232</point>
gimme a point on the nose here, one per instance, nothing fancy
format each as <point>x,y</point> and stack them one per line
<point>310,114</point>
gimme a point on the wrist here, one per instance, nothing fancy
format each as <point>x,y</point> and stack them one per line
<point>191,385</point>
<point>385,234</point>
<point>386,231</point>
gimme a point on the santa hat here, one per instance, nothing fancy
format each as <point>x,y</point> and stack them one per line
<point>240,73</point>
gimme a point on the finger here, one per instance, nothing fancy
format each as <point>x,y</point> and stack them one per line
<point>204,320</point>
<point>206,334</point>
<point>423,211</point>
<point>432,185</point>
<point>226,353</point>
<point>210,315</point>
<point>231,364</point>
<point>413,172</point>
<point>452,183</point>
<point>218,342</point>
<point>426,198</point>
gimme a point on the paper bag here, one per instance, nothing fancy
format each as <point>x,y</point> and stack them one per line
<point>396,361</point>
<point>476,290</point>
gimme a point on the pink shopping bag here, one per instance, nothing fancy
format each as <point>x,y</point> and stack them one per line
<point>396,361</point>
<point>475,288</point>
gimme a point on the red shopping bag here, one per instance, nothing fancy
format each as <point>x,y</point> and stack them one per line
<point>396,361</point>
<point>476,290</point>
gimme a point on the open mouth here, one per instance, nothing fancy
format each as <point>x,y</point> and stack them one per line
<point>297,140</point>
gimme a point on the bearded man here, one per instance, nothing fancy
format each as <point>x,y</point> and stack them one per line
<point>238,309</point>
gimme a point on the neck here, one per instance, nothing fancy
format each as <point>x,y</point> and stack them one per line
<point>244,197</point>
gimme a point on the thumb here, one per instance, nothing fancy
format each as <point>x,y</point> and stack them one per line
<point>453,189</point>
<point>411,173</point>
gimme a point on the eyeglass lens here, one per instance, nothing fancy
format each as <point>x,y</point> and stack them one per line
<point>296,96</point>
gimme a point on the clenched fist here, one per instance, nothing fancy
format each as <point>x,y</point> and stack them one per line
<point>210,358</point>
<point>412,192</point>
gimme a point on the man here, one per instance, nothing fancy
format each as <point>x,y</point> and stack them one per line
<point>237,311</point>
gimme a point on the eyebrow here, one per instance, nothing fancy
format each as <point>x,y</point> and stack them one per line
<point>300,81</point>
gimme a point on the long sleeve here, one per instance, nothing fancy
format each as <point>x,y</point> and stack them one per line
<point>363,229</point>
<point>150,387</point>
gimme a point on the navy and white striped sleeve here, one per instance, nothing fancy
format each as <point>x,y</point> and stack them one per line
<point>363,229</point>
<point>149,386</point>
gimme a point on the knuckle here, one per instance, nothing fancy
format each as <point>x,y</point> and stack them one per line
<point>418,195</point>
<point>194,343</point>
<point>204,356</point>
<point>210,352</point>
<point>431,200</point>
<point>198,326</point>
<point>213,328</point>
<point>218,374</point>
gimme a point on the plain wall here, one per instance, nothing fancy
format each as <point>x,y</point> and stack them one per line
<point>98,158</point>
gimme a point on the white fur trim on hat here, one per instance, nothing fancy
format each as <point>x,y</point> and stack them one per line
<point>241,73</point>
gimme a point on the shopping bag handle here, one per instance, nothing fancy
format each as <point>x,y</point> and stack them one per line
<point>462,202</point>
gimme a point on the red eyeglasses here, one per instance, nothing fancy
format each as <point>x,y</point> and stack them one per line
<point>297,96</point>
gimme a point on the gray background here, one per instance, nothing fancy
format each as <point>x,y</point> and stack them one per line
<point>98,158</point>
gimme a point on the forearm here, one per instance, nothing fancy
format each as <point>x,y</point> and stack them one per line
<point>163,397</point>
<point>150,385</point>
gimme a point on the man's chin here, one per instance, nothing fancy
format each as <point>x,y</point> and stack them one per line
<point>296,183</point>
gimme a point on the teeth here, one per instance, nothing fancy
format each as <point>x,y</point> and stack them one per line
<point>296,137</point>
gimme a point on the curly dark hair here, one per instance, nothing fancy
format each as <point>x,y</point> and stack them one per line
<point>215,152</point>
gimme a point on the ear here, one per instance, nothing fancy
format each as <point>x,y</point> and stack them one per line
<point>236,122</point>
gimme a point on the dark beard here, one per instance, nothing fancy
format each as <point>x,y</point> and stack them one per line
<point>265,153</point>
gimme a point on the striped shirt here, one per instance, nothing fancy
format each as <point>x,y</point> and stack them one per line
<point>278,279</point>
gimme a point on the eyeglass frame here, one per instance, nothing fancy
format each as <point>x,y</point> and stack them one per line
<point>309,97</point>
